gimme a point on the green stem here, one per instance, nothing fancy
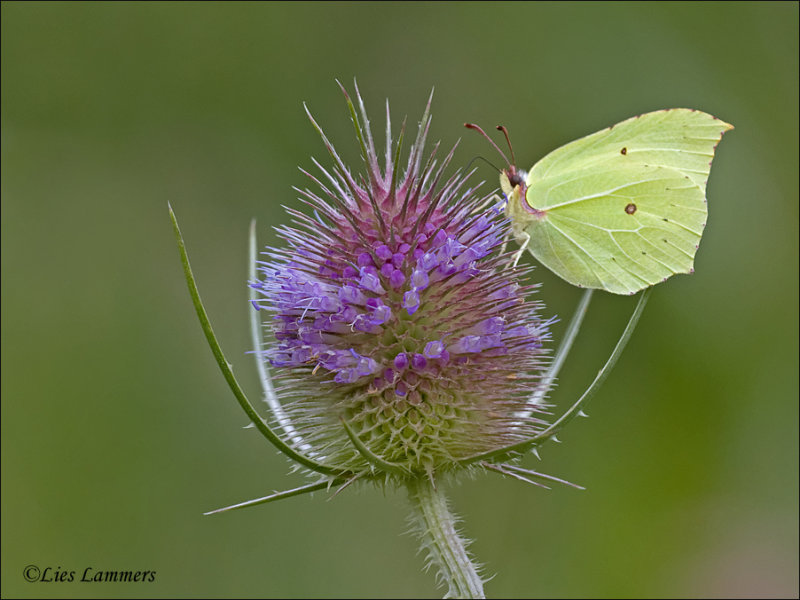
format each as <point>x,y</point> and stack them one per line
<point>446,549</point>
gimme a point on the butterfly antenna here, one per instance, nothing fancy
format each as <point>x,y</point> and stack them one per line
<point>483,133</point>
<point>508,141</point>
<point>486,160</point>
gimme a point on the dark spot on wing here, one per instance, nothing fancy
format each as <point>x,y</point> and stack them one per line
<point>624,150</point>
<point>631,208</point>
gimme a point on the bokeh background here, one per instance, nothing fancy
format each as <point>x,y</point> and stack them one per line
<point>117,428</point>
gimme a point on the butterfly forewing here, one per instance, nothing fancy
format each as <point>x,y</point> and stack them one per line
<point>677,138</point>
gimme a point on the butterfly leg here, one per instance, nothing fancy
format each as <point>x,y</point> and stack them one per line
<point>506,237</point>
<point>522,247</point>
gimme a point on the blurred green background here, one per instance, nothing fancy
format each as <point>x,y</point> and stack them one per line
<point>118,431</point>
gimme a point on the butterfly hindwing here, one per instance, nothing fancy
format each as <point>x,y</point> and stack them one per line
<point>619,230</point>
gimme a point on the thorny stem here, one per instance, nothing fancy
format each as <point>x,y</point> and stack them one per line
<point>447,551</point>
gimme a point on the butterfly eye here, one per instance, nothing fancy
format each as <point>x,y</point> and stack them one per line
<point>515,177</point>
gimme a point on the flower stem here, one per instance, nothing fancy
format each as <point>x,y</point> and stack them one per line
<point>435,525</point>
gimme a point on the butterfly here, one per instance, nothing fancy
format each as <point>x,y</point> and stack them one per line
<point>621,209</point>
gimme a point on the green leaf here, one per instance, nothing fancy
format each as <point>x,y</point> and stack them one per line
<point>225,367</point>
<point>305,489</point>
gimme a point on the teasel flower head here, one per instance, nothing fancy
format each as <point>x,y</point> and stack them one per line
<point>401,341</point>
<point>401,344</point>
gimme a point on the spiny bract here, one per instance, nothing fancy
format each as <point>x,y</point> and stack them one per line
<point>393,311</point>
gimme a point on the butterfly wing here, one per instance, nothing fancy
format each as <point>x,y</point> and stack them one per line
<point>624,208</point>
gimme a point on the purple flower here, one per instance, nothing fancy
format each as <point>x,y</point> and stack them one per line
<point>411,301</point>
<point>392,309</point>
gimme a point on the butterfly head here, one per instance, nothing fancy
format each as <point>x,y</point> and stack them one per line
<point>512,182</point>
